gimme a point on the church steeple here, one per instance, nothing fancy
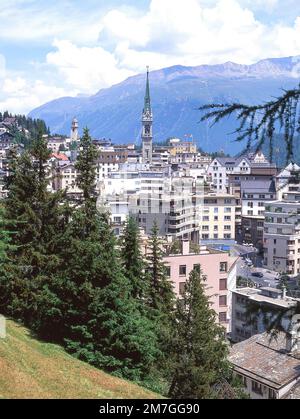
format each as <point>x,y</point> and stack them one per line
<point>147,102</point>
<point>147,121</point>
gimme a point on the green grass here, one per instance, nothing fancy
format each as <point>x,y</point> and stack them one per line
<point>33,369</point>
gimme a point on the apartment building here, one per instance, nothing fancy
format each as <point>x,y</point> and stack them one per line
<point>219,269</point>
<point>57,144</point>
<point>155,195</point>
<point>251,307</point>
<point>254,195</point>
<point>268,368</point>
<point>182,147</point>
<point>218,218</point>
<point>221,168</point>
<point>282,228</point>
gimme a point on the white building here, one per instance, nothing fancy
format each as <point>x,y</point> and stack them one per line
<point>282,228</point>
<point>268,368</point>
<point>266,303</point>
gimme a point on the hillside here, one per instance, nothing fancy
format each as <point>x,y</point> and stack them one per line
<point>32,369</point>
<point>176,92</point>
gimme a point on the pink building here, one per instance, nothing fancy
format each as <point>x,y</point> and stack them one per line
<point>220,271</point>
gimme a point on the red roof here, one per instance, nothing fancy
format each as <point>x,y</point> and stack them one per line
<point>60,156</point>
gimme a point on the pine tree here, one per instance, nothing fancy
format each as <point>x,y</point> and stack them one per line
<point>132,259</point>
<point>92,307</point>
<point>33,216</point>
<point>257,124</point>
<point>161,289</point>
<point>199,347</point>
<point>86,167</point>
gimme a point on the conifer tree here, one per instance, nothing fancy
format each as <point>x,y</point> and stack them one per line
<point>132,259</point>
<point>92,306</point>
<point>161,289</point>
<point>199,347</point>
<point>33,213</point>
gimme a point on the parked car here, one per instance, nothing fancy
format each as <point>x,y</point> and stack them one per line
<point>258,274</point>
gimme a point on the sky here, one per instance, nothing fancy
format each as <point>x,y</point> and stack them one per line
<point>50,49</point>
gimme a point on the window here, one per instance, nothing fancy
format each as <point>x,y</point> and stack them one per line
<point>223,317</point>
<point>223,300</point>
<point>272,394</point>
<point>181,288</point>
<point>182,270</point>
<point>168,271</point>
<point>223,267</point>
<point>257,388</point>
<point>223,284</point>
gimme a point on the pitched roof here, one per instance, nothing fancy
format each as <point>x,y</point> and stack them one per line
<point>60,156</point>
<point>266,360</point>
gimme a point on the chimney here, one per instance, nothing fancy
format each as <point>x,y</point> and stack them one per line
<point>185,247</point>
<point>284,293</point>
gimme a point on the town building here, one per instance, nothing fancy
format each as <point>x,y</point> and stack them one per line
<point>6,140</point>
<point>282,228</point>
<point>218,219</point>
<point>218,267</point>
<point>174,202</point>
<point>253,309</point>
<point>57,143</point>
<point>254,195</point>
<point>268,368</point>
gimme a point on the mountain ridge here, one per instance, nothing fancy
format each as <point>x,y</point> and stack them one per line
<point>177,92</point>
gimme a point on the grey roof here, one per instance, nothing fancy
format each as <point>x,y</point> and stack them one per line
<point>258,186</point>
<point>266,360</point>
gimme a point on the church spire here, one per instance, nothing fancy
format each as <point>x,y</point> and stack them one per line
<point>147,121</point>
<point>147,103</point>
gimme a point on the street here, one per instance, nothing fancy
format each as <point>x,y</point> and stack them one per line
<point>269,279</point>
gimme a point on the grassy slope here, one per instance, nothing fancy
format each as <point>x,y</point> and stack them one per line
<point>33,369</point>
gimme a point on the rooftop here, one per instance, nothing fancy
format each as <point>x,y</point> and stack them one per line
<point>266,360</point>
<point>267,295</point>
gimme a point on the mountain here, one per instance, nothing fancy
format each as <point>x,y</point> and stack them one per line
<point>38,370</point>
<point>176,93</point>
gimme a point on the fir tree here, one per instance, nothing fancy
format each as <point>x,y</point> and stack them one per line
<point>92,307</point>
<point>259,123</point>
<point>133,262</point>
<point>33,214</point>
<point>86,167</point>
<point>161,289</point>
<point>199,347</point>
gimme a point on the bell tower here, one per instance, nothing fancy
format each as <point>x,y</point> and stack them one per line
<point>147,121</point>
<point>74,130</point>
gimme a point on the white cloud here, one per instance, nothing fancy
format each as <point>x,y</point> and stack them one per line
<point>92,50</point>
<point>86,69</point>
<point>195,32</point>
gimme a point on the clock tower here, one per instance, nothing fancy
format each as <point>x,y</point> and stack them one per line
<point>147,121</point>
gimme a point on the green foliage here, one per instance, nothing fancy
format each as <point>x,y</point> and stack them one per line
<point>133,261</point>
<point>161,289</point>
<point>258,123</point>
<point>199,346</point>
<point>25,130</point>
<point>32,217</point>
<point>86,166</point>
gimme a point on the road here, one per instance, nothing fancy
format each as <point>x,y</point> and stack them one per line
<point>269,279</point>
<point>249,252</point>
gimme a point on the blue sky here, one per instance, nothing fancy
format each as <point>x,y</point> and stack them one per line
<point>55,48</point>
